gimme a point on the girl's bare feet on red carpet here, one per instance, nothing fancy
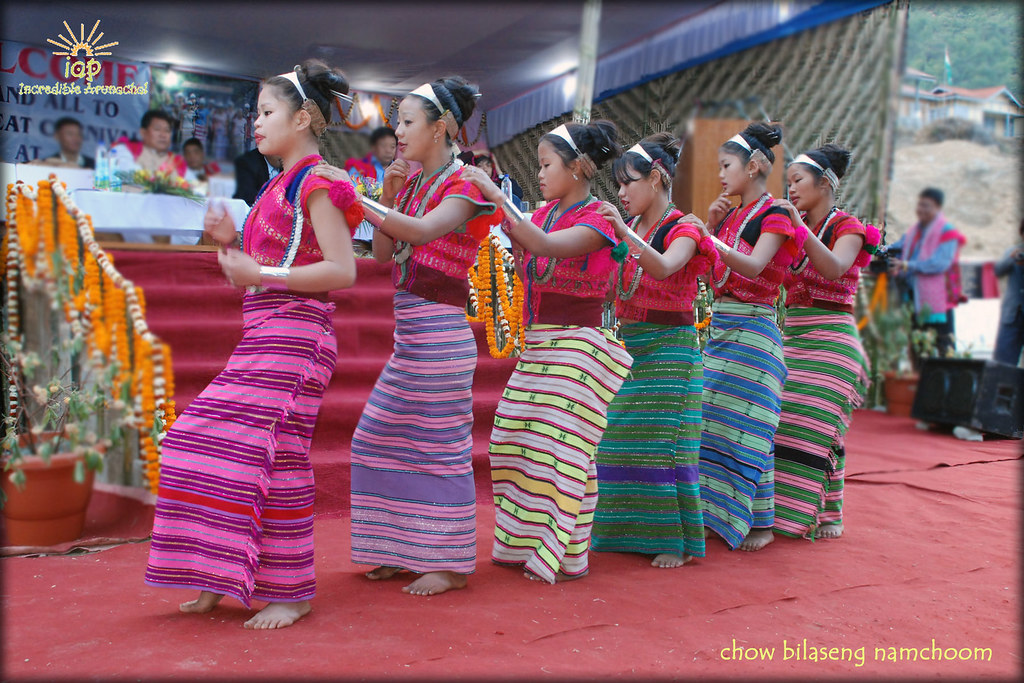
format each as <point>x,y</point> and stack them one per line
<point>670,560</point>
<point>279,615</point>
<point>830,531</point>
<point>757,539</point>
<point>381,573</point>
<point>435,583</point>
<point>201,605</point>
<point>559,577</point>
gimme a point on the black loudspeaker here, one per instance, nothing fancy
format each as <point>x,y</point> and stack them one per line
<point>981,394</point>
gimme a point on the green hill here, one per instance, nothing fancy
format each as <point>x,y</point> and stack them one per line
<point>984,41</point>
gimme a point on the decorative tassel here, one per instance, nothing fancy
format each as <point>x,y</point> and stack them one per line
<point>620,251</point>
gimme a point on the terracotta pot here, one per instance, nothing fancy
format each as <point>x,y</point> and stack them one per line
<point>899,393</point>
<point>51,507</point>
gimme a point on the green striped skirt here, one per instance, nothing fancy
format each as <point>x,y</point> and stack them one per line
<point>647,462</point>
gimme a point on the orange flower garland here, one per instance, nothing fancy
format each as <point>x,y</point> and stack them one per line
<point>100,303</point>
<point>490,286</point>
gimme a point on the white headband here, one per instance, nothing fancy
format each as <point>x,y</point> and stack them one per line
<point>637,149</point>
<point>741,141</point>
<point>293,76</point>
<point>426,91</point>
<point>563,132</point>
<point>830,175</point>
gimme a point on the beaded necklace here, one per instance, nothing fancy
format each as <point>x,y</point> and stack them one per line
<point>626,293</point>
<point>764,199</point>
<point>403,250</point>
<point>821,233</point>
<point>549,267</point>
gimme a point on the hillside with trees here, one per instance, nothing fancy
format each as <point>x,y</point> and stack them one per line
<point>984,41</point>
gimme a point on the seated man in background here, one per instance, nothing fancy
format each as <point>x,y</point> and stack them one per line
<point>153,151</point>
<point>198,170</point>
<point>383,145</point>
<point>68,134</point>
<point>252,171</point>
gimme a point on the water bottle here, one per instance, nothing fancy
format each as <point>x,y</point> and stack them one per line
<point>114,180</point>
<point>506,186</point>
<point>101,177</point>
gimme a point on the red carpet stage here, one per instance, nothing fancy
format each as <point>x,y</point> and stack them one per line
<point>924,583</point>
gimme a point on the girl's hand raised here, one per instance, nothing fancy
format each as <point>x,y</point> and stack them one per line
<point>483,182</point>
<point>332,173</point>
<point>718,209</point>
<point>794,214</point>
<point>693,220</point>
<point>218,224</point>
<point>609,211</point>
<point>395,176</point>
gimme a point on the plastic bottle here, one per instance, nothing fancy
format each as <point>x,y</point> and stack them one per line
<point>114,180</point>
<point>101,177</point>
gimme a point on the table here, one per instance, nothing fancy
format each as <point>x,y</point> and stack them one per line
<point>137,216</point>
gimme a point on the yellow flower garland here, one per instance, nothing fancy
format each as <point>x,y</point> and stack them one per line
<point>486,291</point>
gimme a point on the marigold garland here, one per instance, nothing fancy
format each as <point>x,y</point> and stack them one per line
<point>99,302</point>
<point>489,285</point>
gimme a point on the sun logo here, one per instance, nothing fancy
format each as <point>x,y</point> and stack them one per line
<point>71,46</point>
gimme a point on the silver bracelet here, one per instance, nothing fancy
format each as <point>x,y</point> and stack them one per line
<point>721,246</point>
<point>274,277</point>
<point>512,212</point>
<point>374,212</point>
<point>636,241</point>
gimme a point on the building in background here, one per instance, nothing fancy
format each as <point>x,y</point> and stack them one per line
<point>996,109</point>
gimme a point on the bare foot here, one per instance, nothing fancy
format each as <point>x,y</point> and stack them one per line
<point>707,532</point>
<point>670,560</point>
<point>201,605</point>
<point>757,539</point>
<point>381,573</point>
<point>830,531</point>
<point>279,615</point>
<point>435,583</point>
<point>559,577</point>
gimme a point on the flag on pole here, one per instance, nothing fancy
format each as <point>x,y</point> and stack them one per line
<point>949,68</point>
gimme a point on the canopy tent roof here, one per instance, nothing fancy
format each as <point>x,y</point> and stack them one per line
<point>520,53</point>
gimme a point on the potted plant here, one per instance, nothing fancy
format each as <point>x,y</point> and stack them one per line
<point>55,437</point>
<point>888,341</point>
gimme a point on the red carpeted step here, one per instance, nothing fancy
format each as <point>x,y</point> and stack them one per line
<point>190,307</point>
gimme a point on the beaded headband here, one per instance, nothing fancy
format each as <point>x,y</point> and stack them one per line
<point>830,175</point>
<point>426,91</point>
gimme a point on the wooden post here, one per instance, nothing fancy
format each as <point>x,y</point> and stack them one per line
<point>589,31</point>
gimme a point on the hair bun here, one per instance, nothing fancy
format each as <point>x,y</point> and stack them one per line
<point>668,143</point>
<point>764,136</point>
<point>322,81</point>
<point>598,139</point>
<point>838,158</point>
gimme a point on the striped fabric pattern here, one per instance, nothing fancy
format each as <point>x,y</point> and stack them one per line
<point>548,424</point>
<point>828,376</point>
<point>647,462</point>
<point>743,376</point>
<point>234,513</point>
<point>413,498</point>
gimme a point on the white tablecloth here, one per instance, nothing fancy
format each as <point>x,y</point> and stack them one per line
<point>73,178</point>
<point>138,216</point>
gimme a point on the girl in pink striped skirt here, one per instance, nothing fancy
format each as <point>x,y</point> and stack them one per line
<point>413,498</point>
<point>234,514</point>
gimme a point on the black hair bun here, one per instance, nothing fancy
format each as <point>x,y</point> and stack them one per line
<point>462,92</point>
<point>838,158</point>
<point>599,140</point>
<point>322,79</point>
<point>668,144</point>
<point>765,136</point>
